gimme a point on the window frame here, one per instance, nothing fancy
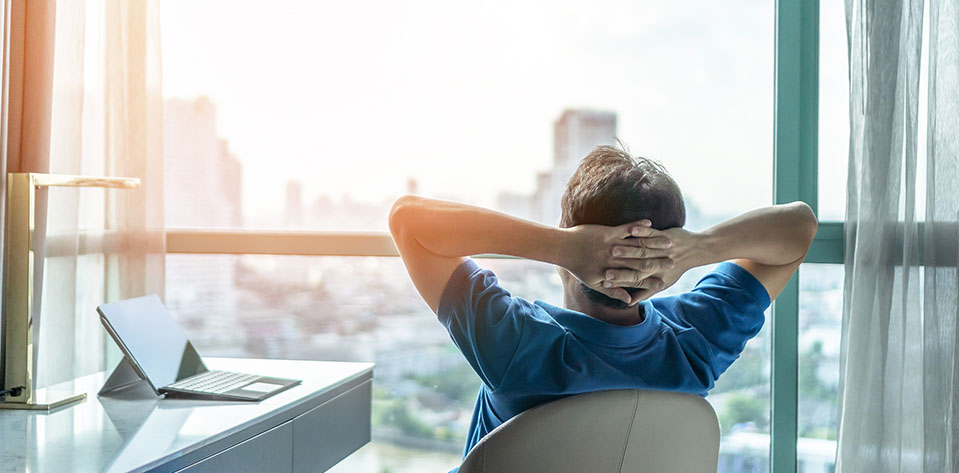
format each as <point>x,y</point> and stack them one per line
<point>795,177</point>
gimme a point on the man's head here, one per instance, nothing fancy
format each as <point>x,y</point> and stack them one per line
<point>610,187</point>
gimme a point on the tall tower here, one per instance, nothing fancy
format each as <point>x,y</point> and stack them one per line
<point>202,179</point>
<point>575,134</point>
<point>202,188</point>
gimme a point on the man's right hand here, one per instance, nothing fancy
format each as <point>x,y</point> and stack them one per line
<point>591,251</point>
<point>681,247</point>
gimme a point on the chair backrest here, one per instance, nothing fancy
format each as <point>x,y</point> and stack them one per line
<point>618,431</point>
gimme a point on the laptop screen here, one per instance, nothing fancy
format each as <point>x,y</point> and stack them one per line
<point>153,339</point>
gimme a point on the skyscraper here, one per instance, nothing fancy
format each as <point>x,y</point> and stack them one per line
<point>202,188</point>
<point>202,178</point>
<point>575,134</point>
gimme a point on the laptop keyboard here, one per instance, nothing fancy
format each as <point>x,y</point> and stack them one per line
<point>214,382</point>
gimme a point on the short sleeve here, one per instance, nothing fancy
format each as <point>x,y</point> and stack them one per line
<point>483,319</point>
<point>716,318</point>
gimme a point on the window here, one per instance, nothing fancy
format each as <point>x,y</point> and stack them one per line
<point>365,105</point>
<point>336,109</point>
<point>820,324</point>
<point>833,111</point>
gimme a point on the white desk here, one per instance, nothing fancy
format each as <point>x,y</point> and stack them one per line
<point>309,427</point>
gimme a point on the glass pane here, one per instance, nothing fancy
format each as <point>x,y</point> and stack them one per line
<point>332,110</point>
<point>366,309</point>
<point>820,321</point>
<point>833,111</point>
<point>741,400</point>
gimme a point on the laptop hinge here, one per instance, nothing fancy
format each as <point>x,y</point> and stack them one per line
<point>123,376</point>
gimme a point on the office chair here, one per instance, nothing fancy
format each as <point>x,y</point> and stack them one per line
<point>604,432</point>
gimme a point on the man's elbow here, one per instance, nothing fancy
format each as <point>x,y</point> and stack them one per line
<point>806,223</point>
<point>401,215</point>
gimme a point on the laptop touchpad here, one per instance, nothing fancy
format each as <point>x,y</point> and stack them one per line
<point>260,387</point>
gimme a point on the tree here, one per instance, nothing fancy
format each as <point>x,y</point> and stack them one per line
<point>810,385</point>
<point>742,408</point>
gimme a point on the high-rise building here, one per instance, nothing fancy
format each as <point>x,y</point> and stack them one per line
<point>575,134</point>
<point>202,179</point>
<point>202,188</point>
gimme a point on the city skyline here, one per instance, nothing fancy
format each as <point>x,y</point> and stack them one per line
<point>357,104</point>
<point>204,178</point>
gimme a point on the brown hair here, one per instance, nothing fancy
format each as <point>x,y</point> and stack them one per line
<point>610,187</point>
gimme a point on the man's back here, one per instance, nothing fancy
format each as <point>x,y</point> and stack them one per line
<point>530,353</point>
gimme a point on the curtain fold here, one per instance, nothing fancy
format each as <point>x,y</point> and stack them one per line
<point>27,78</point>
<point>898,357</point>
<point>940,350</point>
<point>104,118</point>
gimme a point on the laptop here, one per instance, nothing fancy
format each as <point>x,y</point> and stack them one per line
<point>161,354</point>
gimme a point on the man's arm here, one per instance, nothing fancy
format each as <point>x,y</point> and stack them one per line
<point>770,243</point>
<point>434,236</point>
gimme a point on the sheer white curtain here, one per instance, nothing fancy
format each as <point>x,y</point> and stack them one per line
<point>899,383</point>
<point>103,116</point>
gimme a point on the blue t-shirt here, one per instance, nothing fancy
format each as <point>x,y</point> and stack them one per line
<point>530,353</point>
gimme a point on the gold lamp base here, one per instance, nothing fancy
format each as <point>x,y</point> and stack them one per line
<point>43,406</point>
<point>45,399</point>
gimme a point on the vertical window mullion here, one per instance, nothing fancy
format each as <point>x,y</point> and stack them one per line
<point>794,178</point>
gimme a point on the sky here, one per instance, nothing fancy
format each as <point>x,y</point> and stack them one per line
<point>357,97</point>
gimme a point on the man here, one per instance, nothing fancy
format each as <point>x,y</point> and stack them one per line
<point>620,241</point>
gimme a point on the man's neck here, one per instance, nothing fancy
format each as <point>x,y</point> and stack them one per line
<point>625,317</point>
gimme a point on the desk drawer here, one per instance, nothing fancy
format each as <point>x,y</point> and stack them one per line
<point>267,452</point>
<point>331,431</point>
